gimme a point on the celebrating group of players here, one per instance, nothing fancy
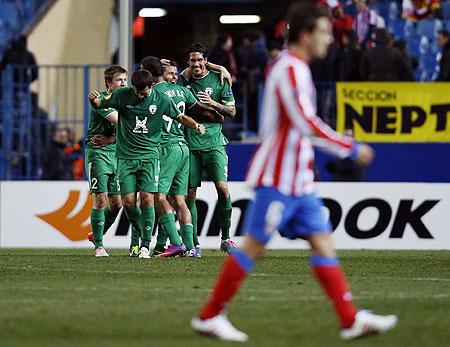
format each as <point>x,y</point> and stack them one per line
<point>141,140</point>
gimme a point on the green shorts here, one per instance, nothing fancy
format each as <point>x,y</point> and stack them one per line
<point>214,161</point>
<point>101,169</point>
<point>174,171</point>
<point>138,175</point>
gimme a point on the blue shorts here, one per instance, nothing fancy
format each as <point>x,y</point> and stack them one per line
<point>292,216</point>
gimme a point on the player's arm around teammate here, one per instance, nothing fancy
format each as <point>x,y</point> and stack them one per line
<point>100,162</point>
<point>209,152</point>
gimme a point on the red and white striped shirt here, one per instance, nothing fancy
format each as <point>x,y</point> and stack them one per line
<point>290,128</point>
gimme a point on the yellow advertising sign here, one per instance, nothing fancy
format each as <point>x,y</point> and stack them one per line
<point>394,111</point>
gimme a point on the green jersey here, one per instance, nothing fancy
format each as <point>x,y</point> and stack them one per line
<point>173,131</point>
<point>99,125</point>
<point>213,137</point>
<point>140,122</point>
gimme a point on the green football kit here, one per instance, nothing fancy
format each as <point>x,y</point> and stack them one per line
<point>101,169</point>
<point>208,150</point>
<point>100,163</point>
<point>174,159</point>
<point>137,148</point>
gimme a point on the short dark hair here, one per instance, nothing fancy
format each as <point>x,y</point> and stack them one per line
<point>303,17</point>
<point>444,32</point>
<point>173,63</point>
<point>141,79</point>
<point>196,47</point>
<point>111,70</point>
<point>153,65</point>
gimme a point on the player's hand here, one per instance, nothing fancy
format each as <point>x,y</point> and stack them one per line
<point>225,75</point>
<point>93,94</point>
<point>205,98</point>
<point>99,141</point>
<point>365,154</point>
<point>165,62</point>
<point>200,128</point>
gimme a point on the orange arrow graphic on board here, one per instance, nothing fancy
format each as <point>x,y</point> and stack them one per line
<point>70,227</point>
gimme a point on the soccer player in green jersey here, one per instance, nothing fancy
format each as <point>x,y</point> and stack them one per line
<point>100,163</point>
<point>141,110</point>
<point>174,160</point>
<point>208,152</point>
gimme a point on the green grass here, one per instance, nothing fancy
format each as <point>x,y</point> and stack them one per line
<point>69,298</point>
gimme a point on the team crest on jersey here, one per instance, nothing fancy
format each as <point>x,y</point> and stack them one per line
<point>141,126</point>
<point>209,90</point>
<point>152,109</point>
<point>107,96</point>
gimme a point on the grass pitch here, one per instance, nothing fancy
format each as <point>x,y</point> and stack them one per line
<point>69,298</point>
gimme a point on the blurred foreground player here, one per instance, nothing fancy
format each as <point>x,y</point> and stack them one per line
<point>285,200</point>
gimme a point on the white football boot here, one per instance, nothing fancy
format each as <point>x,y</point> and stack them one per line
<point>367,323</point>
<point>218,327</point>
<point>100,252</point>
<point>144,253</point>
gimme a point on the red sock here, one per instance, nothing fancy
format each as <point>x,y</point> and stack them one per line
<point>228,283</point>
<point>335,285</point>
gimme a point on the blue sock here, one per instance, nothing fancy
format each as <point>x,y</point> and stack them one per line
<point>243,260</point>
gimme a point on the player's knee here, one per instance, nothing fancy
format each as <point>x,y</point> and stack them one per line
<point>147,199</point>
<point>100,200</point>
<point>222,190</point>
<point>322,244</point>
<point>192,193</point>
<point>115,203</point>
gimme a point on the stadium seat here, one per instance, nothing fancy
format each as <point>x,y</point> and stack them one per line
<point>397,26</point>
<point>9,14</point>
<point>446,24</point>
<point>393,10</point>
<point>446,10</point>
<point>413,45</point>
<point>424,45</point>
<point>409,29</point>
<point>4,34</point>
<point>428,27</point>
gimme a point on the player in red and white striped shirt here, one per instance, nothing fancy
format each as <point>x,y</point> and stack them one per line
<point>281,172</point>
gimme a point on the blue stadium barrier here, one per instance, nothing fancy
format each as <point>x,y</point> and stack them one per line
<point>394,162</point>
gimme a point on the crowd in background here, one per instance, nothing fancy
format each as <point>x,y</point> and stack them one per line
<point>364,50</point>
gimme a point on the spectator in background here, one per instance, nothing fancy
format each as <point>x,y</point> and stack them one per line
<point>443,39</point>
<point>252,58</point>
<point>365,23</point>
<point>402,46</point>
<point>350,57</point>
<point>415,10</point>
<point>55,161</point>
<point>19,54</point>
<point>75,152</point>
<point>341,23</point>
<point>222,53</point>
<point>384,62</point>
<point>274,49</point>
<point>347,169</point>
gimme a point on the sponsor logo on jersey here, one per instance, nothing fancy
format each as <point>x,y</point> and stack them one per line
<point>209,90</point>
<point>141,126</point>
<point>71,225</point>
<point>129,106</point>
<point>152,109</point>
